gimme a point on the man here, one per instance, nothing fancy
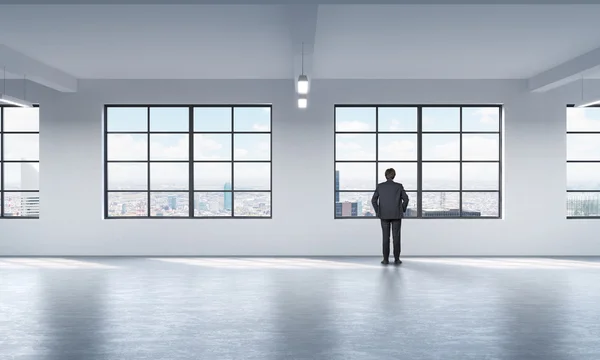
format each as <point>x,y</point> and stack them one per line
<point>390,202</point>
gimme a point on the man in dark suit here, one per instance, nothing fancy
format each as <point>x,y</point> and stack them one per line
<point>390,202</point>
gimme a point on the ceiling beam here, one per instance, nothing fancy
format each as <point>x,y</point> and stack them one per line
<point>22,65</point>
<point>566,72</point>
<point>302,20</point>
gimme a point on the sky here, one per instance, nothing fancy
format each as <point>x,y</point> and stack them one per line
<point>403,147</point>
<point>19,146</point>
<point>208,146</point>
<point>212,176</point>
<point>583,176</point>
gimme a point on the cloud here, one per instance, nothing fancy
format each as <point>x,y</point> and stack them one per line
<point>260,127</point>
<point>583,147</point>
<point>583,173</point>
<point>488,115</point>
<point>399,150</point>
<point>21,146</point>
<point>349,150</point>
<point>481,147</point>
<point>127,147</point>
<point>353,126</point>
<point>395,125</point>
<point>583,119</point>
<point>21,119</point>
<point>160,149</point>
<point>241,153</point>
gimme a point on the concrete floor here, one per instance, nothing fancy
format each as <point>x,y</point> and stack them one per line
<point>278,308</point>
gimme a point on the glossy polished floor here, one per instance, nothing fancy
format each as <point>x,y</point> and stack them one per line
<point>299,308</point>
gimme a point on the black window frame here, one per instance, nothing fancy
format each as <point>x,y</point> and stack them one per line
<point>419,161</point>
<point>191,161</point>
<point>579,161</point>
<point>3,191</point>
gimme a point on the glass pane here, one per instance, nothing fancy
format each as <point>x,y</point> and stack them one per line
<point>127,147</point>
<point>252,176</point>
<point>21,147</point>
<point>212,147</point>
<point>583,204</point>
<point>123,119</point>
<point>127,204</point>
<point>21,119</point>
<point>397,119</point>
<point>252,147</point>
<point>212,176</point>
<point>397,147</point>
<point>169,147</point>
<point>21,204</point>
<point>441,204</point>
<point>169,119</point>
<point>355,176</point>
<point>252,119</point>
<point>441,119</point>
<point>169,204</point>
<point>411,211</point>
<point>441,147</point>
<point>216,119</point>
<point>169,176</point>
<point>21,176</point>
<point>480,176</point>
<point>583,146</point>
<point>583,119</point>
<point>583,176</point>
<point>127,176</point>
<point>354,119</point>
<point>481,147</point>
<point>355,147</point>
<point>252,204</point>
<point>354,204</point>
<point>207,204</point>
<point>441,176</point>
<point>481,119</point>
<point>406,174</point>
<point>480,204</point>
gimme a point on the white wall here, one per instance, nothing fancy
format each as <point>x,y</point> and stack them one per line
<point>72,196</point>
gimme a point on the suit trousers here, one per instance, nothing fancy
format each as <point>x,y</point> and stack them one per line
<point>396,224</point>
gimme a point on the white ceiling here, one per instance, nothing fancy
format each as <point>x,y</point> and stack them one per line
<point>254,41</point>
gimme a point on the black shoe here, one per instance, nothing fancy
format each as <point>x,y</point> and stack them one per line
<point>397,262</point>
<point>385,262</point>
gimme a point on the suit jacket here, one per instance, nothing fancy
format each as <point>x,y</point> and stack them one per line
<point>390,201</point>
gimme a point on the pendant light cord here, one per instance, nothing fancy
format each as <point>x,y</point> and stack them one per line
<point>302,58</point>
<point>582,87</point>
<point>4,77</point>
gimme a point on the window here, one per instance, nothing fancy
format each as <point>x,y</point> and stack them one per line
<point>583,162</point>
<point>19,162</point>
<point>187,161</point>
<point>447,157</point>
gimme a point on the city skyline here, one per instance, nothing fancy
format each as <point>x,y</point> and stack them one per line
<point>583,147</point>
<point>230,154</point>
<point>19,169</point>
<point>367,143</point>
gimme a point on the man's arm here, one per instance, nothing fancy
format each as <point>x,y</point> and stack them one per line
<point>375,201</point>
<point>404,200</point>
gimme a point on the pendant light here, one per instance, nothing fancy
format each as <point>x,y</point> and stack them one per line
<point>302,79</point>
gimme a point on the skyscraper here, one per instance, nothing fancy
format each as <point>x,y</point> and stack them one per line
<point>227,203</point>
<point>173,202</point>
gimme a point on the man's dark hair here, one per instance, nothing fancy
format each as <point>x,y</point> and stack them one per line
<point>390,174</point>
